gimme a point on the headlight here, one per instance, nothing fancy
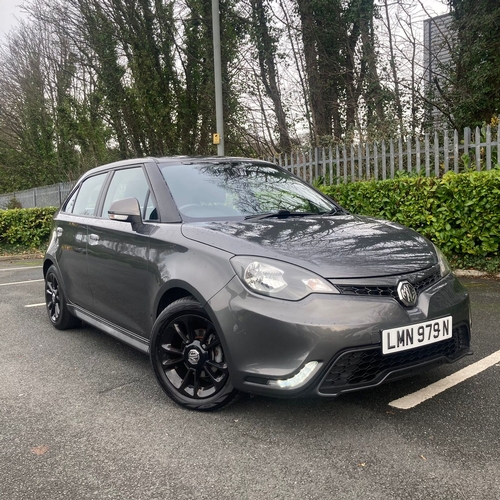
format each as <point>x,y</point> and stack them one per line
<point>279,279</point>
<point>444,267</point>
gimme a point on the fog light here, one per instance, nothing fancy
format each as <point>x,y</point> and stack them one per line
<point>298,379</point>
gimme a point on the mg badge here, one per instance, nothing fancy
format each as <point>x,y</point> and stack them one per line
<point>407,293</point>
<point>193,356</point>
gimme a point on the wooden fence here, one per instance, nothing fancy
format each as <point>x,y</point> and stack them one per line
<point>428,155</point>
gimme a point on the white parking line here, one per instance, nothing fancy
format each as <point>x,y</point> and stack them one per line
<point>414,399</point>
<point>20,268</point>
<point>36,305</point>
<point>20,282</point>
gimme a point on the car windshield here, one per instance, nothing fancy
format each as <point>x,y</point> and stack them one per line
<point>240,189</point>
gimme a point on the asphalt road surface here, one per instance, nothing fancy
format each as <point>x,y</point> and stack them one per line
<point>81,417</point>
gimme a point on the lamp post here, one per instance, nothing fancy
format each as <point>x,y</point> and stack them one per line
<point>219,136</point>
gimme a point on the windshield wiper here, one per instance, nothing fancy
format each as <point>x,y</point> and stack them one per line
<point>335,211</point>
<point>280,214</point>
<point>284,214</point>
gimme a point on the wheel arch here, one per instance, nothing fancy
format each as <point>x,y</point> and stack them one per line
<point>172,291</point>
<point>46,264</point>
<point>51,261</point>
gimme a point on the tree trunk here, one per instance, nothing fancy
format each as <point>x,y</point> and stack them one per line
<point>321,119</point>
<point>269,75</point>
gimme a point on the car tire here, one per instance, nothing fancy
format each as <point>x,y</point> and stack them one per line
<point>188,359</point>
<point>55,300</point>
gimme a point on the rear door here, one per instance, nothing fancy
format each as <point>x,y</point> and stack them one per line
<point>71,233</point>
<point>118,255</point>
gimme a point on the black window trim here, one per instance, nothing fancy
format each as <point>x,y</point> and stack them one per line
<point>169,213</point>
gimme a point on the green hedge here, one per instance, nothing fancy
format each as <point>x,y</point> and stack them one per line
<point>26,227</point>
<point>460,212</point>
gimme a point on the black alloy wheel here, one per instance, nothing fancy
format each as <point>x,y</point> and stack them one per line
<point>55,300</point>
<point>188,357</point>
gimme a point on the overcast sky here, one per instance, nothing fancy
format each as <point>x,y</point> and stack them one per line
<point>11,9</point>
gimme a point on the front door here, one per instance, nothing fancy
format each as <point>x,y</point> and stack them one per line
<point>117,256</point>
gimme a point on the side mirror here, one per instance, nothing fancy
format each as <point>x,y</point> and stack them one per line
<point>126,210</point>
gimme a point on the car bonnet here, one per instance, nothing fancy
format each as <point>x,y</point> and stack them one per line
<point>345,246</point>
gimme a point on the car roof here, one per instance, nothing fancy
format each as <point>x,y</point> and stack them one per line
<point>183,160</point>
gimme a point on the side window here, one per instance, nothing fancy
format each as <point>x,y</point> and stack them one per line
<point>127,183</point>
<point>88,194</point>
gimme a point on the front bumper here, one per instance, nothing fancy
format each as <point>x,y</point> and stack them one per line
<point>266,340</point>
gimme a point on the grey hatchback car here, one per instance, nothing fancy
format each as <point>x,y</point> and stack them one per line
<point>236,276</point>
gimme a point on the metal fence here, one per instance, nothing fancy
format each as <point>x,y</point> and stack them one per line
<point>428,155</point>
<point>46,196</point>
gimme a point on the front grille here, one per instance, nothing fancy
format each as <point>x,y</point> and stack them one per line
<point>426,282</point>
<point>366,366</point>
<point>378,291</point>
<point>386,291</point>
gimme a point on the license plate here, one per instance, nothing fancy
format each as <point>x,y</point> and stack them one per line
<point>416,335</point>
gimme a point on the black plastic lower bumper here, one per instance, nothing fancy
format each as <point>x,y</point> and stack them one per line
<point>367,367</point>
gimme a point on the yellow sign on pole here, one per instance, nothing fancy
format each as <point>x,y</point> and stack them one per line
<point>216,138</point>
